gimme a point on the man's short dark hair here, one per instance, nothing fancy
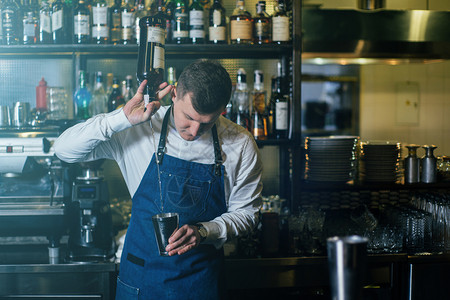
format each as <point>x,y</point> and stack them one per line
<point>209,84</point>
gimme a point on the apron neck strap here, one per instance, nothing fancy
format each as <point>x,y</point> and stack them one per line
<point>163,137</point>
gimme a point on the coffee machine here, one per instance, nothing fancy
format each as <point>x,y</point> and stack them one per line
<point>91,236</point>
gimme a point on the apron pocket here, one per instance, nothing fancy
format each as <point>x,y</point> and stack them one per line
<point>184,194</point>
<point>125,291</point>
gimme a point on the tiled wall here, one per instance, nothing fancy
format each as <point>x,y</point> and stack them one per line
<point>378,98</point>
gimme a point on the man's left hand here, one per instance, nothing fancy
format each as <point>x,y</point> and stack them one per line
<point>184,239</point>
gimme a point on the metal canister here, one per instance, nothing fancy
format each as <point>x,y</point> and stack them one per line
<point>21,116</point>
<point>412,165</point>
<point>5,117</point>
<point>429,165</point>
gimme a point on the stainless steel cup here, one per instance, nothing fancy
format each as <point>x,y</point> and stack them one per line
<point>5,116</point>
<point>347,258</point>
<point>21,116</point>
<point>165,225</point>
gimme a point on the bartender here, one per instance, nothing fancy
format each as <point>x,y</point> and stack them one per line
<point>210,172</point>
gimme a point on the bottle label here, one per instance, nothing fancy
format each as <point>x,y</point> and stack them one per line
<point>127,19</point>
<point>196,18</point>
<point>99,15</point>
<point>115,20</point>
<point>241,30</point>
<point>262,30</point>
<point>217,17</point>
<point>217,33</point>
<point>180,34</point>
<point>194,33</point>
<point>45,23</point>
<point>158,58</point>
<point>281,116</point>
<point>100,31</point>
<point>28,29</point>
<point>81,25</point>
<point>156,35</point>
<point>127,33</point>
<point>57,20</point>
<point>280,29</point>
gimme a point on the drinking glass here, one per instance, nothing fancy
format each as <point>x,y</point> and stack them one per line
<point>58,104</point>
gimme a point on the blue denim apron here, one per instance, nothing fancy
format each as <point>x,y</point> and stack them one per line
<point>196,192</point>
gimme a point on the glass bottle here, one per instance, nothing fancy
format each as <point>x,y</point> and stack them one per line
<point>180,30</point>
<point>151,54</point>
<point>58,30</point>
<point>217,23</point>
<point>99,103</point>
<point>140,13</point>
<point>11,22</point>
<point>82,98</point>
<point>81,25</point>
<point>129,91</point>
<point>196,23</point>
<point>115,100</point>
<point>241,101</point>
<point>100,22</point>
<point>258,96</point>
<point>127,22</point>
<point>262,25</point>
<point>170,7</point>
<point>280,24</point>
<point>241,25</point>
<point>45,23</point>
<point>428,165</point>
<point>109,82</point>
<point>280,111</point>
<point>115,19</point>
<point>30,22</point>
<point>68,21</point>
<point>412,165</point>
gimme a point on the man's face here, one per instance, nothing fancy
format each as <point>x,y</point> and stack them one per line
<point>188,122</point>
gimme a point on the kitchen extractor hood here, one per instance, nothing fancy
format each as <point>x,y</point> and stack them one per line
<point>359,36</point>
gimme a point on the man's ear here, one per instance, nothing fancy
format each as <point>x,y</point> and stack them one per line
<point>174,93</point>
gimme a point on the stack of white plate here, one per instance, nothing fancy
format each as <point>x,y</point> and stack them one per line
<point>380,161</point>
<point>331,159</point>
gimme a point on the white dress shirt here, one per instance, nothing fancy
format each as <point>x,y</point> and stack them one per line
<point>112,136</point>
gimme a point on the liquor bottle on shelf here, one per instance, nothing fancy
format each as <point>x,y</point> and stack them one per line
<point>171,79</point>
<point>45,23</point>
<point>258,96</point>
<point>100,22</point>
<point>115,18</point>
<point>196,23</point>
<point>206,5</point>
<point>280,24</point>
<point>115,100</point>
<point>58,29</point>
<point>180,30</point>
<point>99,103</point>
<point>129,90</point>
<point>109,82</point>
<point>82,98</point>
<point>280,105</point>
<point>241,101</point>
<point>151,54</point>
<point>170,7</point>
<point>241,25</point>
<point>217,23</point>
<point>68,21</point>
<point>140,13</point>
<point>30,22</point>
<point>81,25</point>
<point>127,22</point>
<point>11,23</point>
<point>262,25</point>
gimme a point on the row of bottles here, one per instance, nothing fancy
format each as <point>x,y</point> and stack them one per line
<point>101,22</point>
<point>90,101</point>
<point>263,117</point>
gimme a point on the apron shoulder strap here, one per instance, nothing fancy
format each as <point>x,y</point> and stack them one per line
<point>217,152</point>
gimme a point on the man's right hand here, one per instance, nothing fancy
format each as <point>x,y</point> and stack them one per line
<point>134,108</point>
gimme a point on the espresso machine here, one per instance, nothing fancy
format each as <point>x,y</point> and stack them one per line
<point>91,236</point>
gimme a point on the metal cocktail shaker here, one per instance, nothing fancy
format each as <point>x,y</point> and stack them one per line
<point>429,165</point>
<point>412,165</point>
<point>347,266</point>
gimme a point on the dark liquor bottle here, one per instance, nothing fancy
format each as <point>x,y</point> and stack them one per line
<point>170,8</point>
<point>100,22</point>
<point>11,22</point>
<point>127,23</point>
<point>68,20</point>
<point>115,18</point>
<point>196,23</point>
<point>115,100</point>
<point>262,26</point>
<point>81,25</point>
<point>280,24</point>
<point>151,55</point>
<point>241,25</point>
<point>30,22</point>
<point>217,24</point>
<point>45,23</point>
<point>58,30</point>
<point>82,98</point>
<point>280,105</point>
<point>180,30</point>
